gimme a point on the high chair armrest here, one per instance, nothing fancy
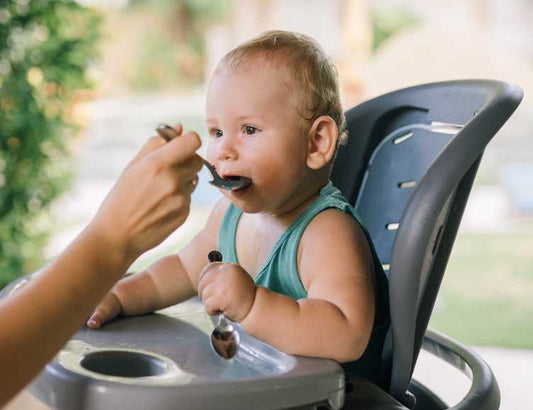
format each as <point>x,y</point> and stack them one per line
<point>484,392</point>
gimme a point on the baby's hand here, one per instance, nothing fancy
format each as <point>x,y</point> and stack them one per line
<point>108,308</point>
<point>227,288</point>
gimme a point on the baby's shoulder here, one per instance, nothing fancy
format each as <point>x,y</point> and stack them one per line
<point>332,229</point>
<point>334,239</point>
<point>332,220</point>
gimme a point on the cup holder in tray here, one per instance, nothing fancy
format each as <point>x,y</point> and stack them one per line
<point>122,363</point>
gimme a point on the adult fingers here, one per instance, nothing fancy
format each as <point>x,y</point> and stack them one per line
<point>151,145</point>
<point>178,150</point>
<point>154,143</point>
<point>167,132</point>
<point>188,168</point>
<point>181,180</point>
<point>192,184</point>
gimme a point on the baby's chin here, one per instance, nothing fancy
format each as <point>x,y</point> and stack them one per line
<point>251,207</point>
<point>245,203</point>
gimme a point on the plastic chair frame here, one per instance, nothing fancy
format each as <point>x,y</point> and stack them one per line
<point>431,217</point>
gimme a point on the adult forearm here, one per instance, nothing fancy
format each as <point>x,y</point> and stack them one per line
<point>53,306</point>
<point>307,327</point>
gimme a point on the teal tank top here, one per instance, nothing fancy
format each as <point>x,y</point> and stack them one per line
<point>279,274</point>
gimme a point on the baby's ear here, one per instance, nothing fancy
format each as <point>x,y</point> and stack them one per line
<point>322,141</point>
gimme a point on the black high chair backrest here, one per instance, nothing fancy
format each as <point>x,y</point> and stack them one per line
<point>408,168</point>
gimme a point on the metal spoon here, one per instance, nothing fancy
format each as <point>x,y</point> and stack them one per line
<point>167,132</point>
<point>224,338</point>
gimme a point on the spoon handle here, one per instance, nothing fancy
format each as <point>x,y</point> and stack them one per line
<point>216,256</point>
<point>216,178</point>
<point>166,132</point>
<point>224,338</point>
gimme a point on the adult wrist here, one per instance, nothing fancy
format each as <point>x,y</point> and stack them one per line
<point>114,252</point>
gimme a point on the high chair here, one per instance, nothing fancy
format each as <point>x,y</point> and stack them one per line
<point>408,169</point>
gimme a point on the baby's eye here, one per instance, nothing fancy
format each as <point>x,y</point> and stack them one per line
<point>218,133</point>
<point>250,129</point>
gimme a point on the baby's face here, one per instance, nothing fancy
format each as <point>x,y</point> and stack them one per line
<point>255,131</point>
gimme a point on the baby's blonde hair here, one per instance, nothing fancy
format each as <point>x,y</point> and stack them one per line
<point>315,74</point>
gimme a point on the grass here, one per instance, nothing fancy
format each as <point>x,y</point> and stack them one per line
<point>487,293</point>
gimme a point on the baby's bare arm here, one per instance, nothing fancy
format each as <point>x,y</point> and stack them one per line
<point>168,281</point>
<point>335,320</point>
<point>162,284</point>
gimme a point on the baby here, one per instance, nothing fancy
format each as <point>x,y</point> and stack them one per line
<point>299,271</point>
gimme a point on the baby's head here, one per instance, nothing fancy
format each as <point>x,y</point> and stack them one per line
<point>274,116</point>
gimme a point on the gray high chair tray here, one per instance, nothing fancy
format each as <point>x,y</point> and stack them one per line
<point>165,361</point>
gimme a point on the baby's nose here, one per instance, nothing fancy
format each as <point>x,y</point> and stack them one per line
<point>227,149</point>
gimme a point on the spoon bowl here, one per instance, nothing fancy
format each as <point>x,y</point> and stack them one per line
<point>225,339</point>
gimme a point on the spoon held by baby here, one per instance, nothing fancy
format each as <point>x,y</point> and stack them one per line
<point>224,338</point>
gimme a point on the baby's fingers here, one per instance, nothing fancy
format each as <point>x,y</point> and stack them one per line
<point>212,306</point>
<point>105,311</point>
<point>96,319</point>
<point>207,276</point>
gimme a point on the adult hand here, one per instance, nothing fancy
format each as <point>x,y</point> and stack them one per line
<point>152,196</point>
<point>227,288</point>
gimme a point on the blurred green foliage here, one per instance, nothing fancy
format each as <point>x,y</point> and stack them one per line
<point>45,48</point>
<point>386,22</point>
<point>172,52</point>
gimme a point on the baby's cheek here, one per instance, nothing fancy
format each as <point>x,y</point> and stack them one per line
<point>210,150</point>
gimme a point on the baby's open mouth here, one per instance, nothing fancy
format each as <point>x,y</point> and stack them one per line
<point>236,182</point>
<point>226,181</point>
